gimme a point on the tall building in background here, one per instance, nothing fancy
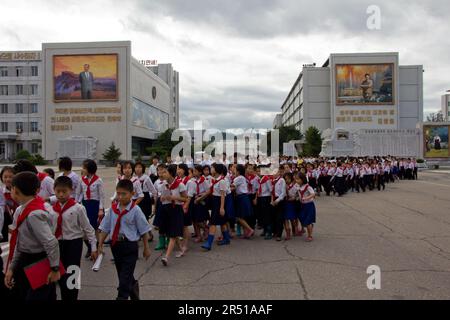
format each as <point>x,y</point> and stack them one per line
<point>20,103</point>
<point>445,106</point>
<point>363,103</point>
<point>167,73</point>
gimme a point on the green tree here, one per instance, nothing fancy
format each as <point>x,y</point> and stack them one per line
<point>23,155</point>
<point>112,153</point>
<point>286,134</point>
<point>313,145</point>
<point>163,145</point>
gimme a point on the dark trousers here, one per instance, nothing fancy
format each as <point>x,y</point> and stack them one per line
<point>415,173</point>
<point>125,255</point>
<point>70,252</point>
<point>22,289</point>
<point>265,213</point>
<point>409,174</point>
<point>278,219</point>
<point>380,182</point>
<point>327,184</point>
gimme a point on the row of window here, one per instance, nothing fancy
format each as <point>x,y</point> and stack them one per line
<point>19,71</point>
<point>34,126</point>
<point>19,147</point>
<point>4,108</point>
<point>19,90</point>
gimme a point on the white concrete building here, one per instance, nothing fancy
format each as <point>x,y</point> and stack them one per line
<point>128,105</point>
<point>170,76</point>
<point>277,122</point>
<point>356,92</point>
<point>20,103</point>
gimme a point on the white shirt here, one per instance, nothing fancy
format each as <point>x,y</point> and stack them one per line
<point>97,192</point>
<point>46,189</point>
<point>174,192</point>
<point>292,191</point>
<point>220,186</point>
<point>75,225</point>
<point>153,170</point>
<point>147,185</point>
<point>280,189</point>
<point>307,191</point>
<point>266,188</point>
<point>241,185</point>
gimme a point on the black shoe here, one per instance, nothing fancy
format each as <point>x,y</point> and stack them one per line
<point>134,294</point>
<point>88,255</point>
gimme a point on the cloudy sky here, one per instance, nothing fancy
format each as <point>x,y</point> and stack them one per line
<point>238,59</point>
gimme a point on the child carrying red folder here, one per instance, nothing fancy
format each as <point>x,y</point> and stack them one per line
<point>32,240</point>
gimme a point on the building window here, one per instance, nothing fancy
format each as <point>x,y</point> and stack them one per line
<point>4,126</point>
<point>2,151</point>
<point>19,127</point>
<point>34,71</point>
<point>34,148</point>
<point>19,89</point>
<point>19,108</point>
<point>3,71</point>
<point>33,108</point>
<point>3,90</point>
<point>19,146</point>
<point>33,126</point>
<point>19,71</point>
<point>4,108</point>
<point>33,89</point>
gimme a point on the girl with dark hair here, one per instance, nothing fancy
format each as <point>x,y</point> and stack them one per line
<point>243,205</point>
<point>92,196</point>
<point>220,190</point>
<point>173,197</point>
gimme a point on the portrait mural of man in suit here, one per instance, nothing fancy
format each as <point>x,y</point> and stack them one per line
<point>96,81</point>
<point>87,82</point>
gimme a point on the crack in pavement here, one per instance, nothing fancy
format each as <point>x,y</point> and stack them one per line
<point>302,284</point>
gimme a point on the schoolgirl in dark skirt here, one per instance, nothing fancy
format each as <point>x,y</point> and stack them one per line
<point>292,207</point>
<point>160,187</point>
<point>173,197</point>
<point>253,185</point>
<point>198,191</point>
<point>183,175</point>
<point>243,204</point>
<point>148,189</point>
<point>221,202</point>
<point>307,214</point>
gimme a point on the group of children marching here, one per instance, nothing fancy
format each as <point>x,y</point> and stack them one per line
<point>45,218</point>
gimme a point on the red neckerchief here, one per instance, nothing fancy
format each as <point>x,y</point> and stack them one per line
<point>60,211</point>
<point>261,182</point>
<point>214,182</point>
<point>250,178</point>
<point>89,184</point>
<point>309,174</point>
<point>115,209</point>
<point>304,191</point>
<point>175,184</point>
<point>198,183</point>
<point>11,204</point>
<point>186,180</point>
<point>41,176</point>
<point>274,182</point>
<point>36,204</point>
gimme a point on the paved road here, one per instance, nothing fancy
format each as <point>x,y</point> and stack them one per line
<point>405,231</point>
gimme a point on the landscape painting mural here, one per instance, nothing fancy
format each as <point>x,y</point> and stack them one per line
<point>89,77</point>
<point>365,84</point>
